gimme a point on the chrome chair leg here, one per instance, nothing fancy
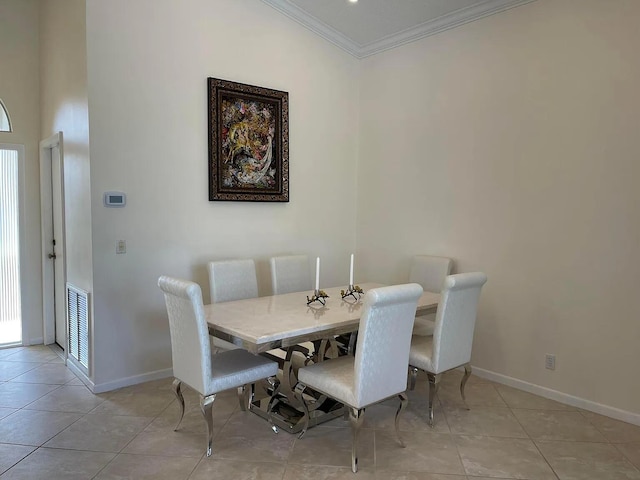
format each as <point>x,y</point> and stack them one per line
<point>403,404</point>
<point>413,376</point>
<point>177,390</point>
<point>434,381</point>
<point>298,393</point>
<point>275,390</point>
<point>467,374</point>
<point>242,397</point>
<point>353,340</point>
<point>206,406</point>
<point>356,417</point>
<point>245,395</point>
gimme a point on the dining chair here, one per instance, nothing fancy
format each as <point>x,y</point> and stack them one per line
<point>193,363</point>
<point>231,280</point>
<point>378,369</point>
<point>450,345</point>
<point>290,274</point>
<point>429,271</point>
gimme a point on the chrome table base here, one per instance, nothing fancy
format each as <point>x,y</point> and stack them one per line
<point>290,419</point>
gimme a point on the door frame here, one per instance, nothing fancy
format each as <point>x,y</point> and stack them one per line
<point>46,225</point>
<point>26,339</point>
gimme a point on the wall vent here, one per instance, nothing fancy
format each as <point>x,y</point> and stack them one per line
<point>78,322</point>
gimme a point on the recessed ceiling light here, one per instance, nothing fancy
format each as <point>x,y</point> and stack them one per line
<point>353,1</point>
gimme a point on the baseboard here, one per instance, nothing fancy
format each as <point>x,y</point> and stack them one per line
<point>34,341</point>
<point>134,380</point>
<point>81,375</point>
<point>618,414</point>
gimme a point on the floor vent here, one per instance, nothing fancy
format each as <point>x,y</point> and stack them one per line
<point>78,321</point>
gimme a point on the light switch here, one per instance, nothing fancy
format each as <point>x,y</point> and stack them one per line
<point>121,246</point>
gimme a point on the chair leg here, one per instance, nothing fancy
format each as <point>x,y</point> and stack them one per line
<point>206,406</point>
<point>413,376</point>
<point>177,390</point>
<point>243,393</point>
<point>356,417</point>
<point>275,390</point>
<point>467,374</point>
<point>298,393</point>
<point>403,404</point>
<point>434,382</point>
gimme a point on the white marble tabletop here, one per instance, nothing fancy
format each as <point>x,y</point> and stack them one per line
<point>263,323</point>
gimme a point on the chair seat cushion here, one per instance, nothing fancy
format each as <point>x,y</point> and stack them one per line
<point>234,368</point>
<point>421,352</point>
<point>424,325</point>
<point>333,377</point>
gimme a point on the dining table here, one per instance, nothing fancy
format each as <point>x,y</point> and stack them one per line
<point>284,322</point>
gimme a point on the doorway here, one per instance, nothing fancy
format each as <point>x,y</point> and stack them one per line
<point>11,325</point>
<point>53,242</point>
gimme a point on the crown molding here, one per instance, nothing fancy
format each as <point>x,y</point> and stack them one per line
<point>432,27</point>
<point>312,23</point>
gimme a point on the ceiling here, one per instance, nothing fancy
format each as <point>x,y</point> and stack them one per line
<point>371,26</point>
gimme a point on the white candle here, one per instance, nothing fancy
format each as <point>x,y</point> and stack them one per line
<point>351,271</point>
<point>318,273</point>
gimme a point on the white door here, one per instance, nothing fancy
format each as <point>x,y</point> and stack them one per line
<point>54,268</point>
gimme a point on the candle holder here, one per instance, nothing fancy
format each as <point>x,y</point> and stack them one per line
<point>318,296</point>
<point>352,291</point>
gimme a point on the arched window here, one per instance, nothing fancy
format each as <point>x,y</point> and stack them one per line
<point>5,123</point>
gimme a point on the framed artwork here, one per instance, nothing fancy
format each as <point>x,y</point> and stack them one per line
<point>248,142</point>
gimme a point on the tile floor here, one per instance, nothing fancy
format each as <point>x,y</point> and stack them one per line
<point>52,427</point>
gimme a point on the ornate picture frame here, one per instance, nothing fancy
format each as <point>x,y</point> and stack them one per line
<point>248,142</point>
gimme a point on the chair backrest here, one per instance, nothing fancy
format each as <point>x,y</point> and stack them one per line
<point>430,271</point>
<point>456,320</point>
<point>290,274</point>
<point>189,332</point>
<point>384,339</point>
<point>232,280</point>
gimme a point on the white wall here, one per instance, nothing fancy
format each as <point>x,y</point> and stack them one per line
<point>148,63</point>
<point>511,145</point>
<point>64,107</point>
<point>19,80</point>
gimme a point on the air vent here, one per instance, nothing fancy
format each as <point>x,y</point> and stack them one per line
<point>78,321</point>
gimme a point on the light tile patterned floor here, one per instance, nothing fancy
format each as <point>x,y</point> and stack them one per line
<point>52,427</point>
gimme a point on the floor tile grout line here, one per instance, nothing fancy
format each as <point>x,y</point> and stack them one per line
<point>28,455</point>
<point>546,460</point>
<point>375,432</point>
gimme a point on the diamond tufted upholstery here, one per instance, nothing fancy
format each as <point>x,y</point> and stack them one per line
<point>378,370</point>
<point>193,363</point>
<point>290,274</point>
<point>450,345</point>
<point>231,280</point>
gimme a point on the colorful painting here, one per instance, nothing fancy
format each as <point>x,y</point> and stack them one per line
<point>248,143</point>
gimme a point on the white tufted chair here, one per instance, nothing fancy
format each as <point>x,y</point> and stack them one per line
<point>430,272</point>
<point>290,274</point>
<point>193,363</point>
<point>231,280</point>
<point>450,345</point>
<point>378,369</point>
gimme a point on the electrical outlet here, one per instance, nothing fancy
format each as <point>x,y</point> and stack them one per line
<point>121,246</point>
<point>550,361</point>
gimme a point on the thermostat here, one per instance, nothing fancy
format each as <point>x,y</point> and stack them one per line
<point>115,199</point>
